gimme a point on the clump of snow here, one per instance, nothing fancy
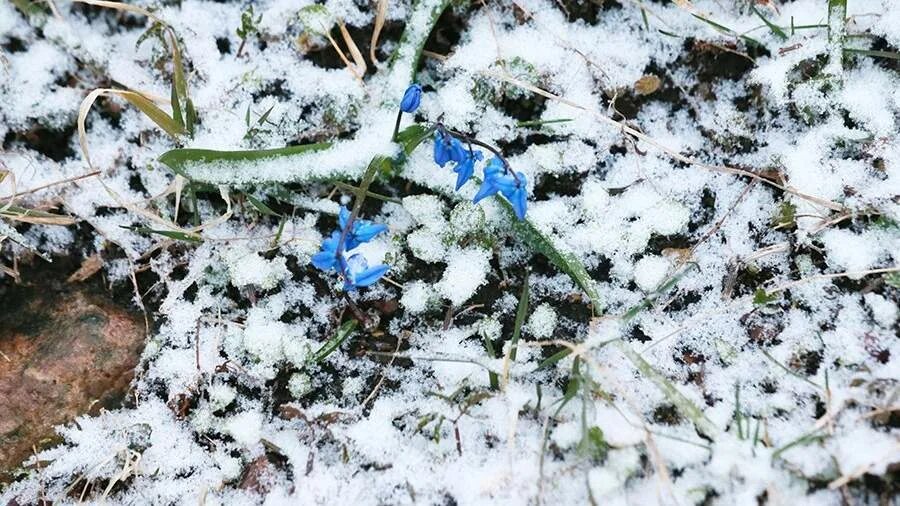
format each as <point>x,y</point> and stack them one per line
<point>416,296</point>
<point>651,271</point>
<point>466,271</point>
<point>250,268</point>
<point>542,321</point>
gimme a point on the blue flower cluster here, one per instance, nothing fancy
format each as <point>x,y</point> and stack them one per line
<point>498,178</point>
<point>354,269</point>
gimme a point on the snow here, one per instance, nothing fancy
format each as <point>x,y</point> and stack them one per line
<point>403,411</point>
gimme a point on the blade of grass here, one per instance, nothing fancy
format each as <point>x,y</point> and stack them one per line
<point>541,122</point>
<point>564,261</point>
<point>492,354</point>
<point>35,217</point>
<point>521,312</point>
<point>684,405</point>
<point>260,205</point>
<point>335,342</point>
<point>157,115</point>
<point>772,26</point>
<point>178,236</point>
<point>873,53</point>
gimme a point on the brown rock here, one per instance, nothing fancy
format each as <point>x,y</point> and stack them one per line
<point>63,353</point>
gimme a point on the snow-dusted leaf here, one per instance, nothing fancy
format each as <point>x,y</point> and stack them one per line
<point>565,261</point>
<point>178,159</point>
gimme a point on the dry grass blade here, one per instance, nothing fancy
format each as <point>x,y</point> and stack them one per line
<point>353,48</point>
<point>380,15</point>
<point>5,173</point>
<point>139,100</point>
<point>347,63</point>
<point>121,6</point>
<point>54,183</point>
<point>90,266</point>
<point>669,151</point>
<point>35,217</point>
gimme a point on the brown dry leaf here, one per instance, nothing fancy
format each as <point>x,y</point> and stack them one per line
<point>88,268</point>
<point>678,254</point>
<point>647,85</point>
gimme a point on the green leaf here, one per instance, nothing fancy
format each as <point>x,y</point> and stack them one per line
<point>176,107</point>
<point>564,261</point>
<point>412,42</point>
<point>335,342</point>
<point>892,279</point>
<point>178,236</point>
<point>178,159</point>
<point>682,403</point>
<point>411,136</point>
<point>837,19</point>
<point>521,312</point>
<point>787,215</point>
<point>762,298</point>
<point>316,19</point>
<point>775,28</point>
<point>552,359</point>
<point>30,8</point>
<point>260,206</point>
<point>155,114</point>
<point>593,444</point>
<point>190,116</point>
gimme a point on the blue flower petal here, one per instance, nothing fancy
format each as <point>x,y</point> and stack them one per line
<point>466,168</point>
<point>487,189</point>
<point>343,217</point>
<point>458,152</point>
<point>367,230</point>
<point>441,149</point>
<point>519,202</point>
<point>324,260</point>
<point>371,275</point>
<point>411,98</point>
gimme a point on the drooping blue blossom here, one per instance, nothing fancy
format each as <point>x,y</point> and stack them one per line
<point>466,168</point>
<point>447,148</point>
<point>358,274</point>
<point>497,180</point>
<point>411,98</point>
<point>361,231</point>
<point>516,193</point>
<point>355,270</point>
<point>327,259</point>
<point>493,171</point>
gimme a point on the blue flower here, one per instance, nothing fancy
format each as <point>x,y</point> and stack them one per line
<point>447,148</point>
<point>493,171</point>
<point>516,193</point>
<point>358,274</point>
<point>411,98</point>
<point>514,188</point>
<point>465,168</point>
<point>327,259</point>
<point>362,230</point>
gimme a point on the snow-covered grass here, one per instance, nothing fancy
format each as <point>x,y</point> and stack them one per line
<point>736,342</point>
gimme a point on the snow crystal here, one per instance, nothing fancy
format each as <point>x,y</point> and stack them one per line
<point>542,321</point>
<point>466,271</point>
